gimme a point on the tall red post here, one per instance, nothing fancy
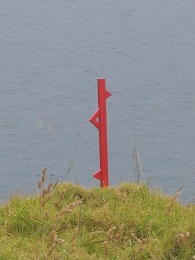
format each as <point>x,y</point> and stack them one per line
<point>101,124</point>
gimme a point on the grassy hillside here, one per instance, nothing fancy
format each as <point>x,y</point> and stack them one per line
<point>70,222</point>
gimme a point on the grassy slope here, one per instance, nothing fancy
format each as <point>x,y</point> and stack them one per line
<point>71,222</point>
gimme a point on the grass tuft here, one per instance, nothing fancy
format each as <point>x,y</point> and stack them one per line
<point>67,221</point>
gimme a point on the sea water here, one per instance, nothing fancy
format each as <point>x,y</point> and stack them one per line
<point>51,55</point>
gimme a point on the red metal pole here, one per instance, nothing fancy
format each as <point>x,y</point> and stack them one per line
<point>101,124</point>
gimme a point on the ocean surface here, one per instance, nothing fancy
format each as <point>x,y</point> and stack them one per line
<point>51,55</point>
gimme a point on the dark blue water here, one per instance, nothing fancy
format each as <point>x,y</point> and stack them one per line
<point>51,54</point>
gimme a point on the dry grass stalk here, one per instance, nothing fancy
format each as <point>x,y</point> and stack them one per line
<point>133,236</point>
<point>169,208</point>
<point>187,234</point>
<point>73,240</point>
<point>52,240</point>
<point>181,238</point>
<point>47,190</point>
<point>119,234</point>
<point>140,242</point>
<point>148,227</point>
<point>42,203</point>
<point>70,208</point>
<point>40,183</point>
<point>45,199</point>
<point>110,234</point>
<point>105,244</point>
<point>47,215</point>
<point>137,165</point>
<point>51,249</point>
<point>46,195</point>
<point>109,237</point>
<point>57,203</point>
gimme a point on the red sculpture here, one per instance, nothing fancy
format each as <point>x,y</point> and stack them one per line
<point>101,124</point>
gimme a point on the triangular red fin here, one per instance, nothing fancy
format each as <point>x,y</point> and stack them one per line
<point>98,175</point>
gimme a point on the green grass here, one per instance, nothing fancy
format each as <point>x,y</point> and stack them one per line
<point>70,222</point>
